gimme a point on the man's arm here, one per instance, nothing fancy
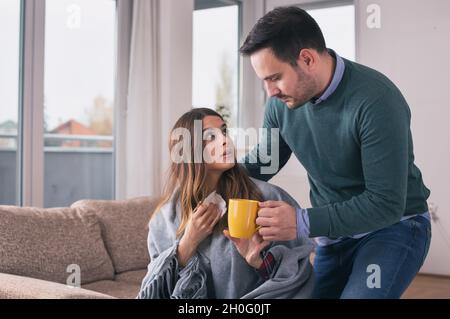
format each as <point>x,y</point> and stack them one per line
<point>267,158</point>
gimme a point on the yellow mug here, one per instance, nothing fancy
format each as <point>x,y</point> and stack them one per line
<point>242,215</point>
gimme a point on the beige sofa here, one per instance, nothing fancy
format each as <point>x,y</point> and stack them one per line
<point>101,245</point>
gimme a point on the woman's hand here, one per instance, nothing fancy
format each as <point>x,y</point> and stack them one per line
<point>200,226</point>
<point>201,223</point>
<point>250,249</point>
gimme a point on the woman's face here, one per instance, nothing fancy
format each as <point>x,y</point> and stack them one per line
<point>218,153</point>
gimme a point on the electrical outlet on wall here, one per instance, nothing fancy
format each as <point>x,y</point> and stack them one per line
<point>433,208</point>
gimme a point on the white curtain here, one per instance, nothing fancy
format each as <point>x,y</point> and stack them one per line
<point>154,87</point>
<point>143,114</point>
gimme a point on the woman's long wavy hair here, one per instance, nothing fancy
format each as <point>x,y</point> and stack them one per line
<point>188,179</point>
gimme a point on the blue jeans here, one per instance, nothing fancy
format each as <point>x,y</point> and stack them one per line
<point>379,265</point>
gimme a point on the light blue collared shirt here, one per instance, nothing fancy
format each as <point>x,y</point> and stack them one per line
<point>302,213</point>
<point>337,77</point>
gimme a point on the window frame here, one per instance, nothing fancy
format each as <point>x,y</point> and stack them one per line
<point>31,104</point>
<point>209,4</point>
<point>124,16</point>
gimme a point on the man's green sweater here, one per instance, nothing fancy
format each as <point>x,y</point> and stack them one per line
<point>357,149</point>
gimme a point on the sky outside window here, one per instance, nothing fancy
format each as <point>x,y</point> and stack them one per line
<point>215,58</point>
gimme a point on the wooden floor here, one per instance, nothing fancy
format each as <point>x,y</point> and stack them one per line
<point>428,287</point>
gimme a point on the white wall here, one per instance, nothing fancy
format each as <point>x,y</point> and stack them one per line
<point>411,48</point>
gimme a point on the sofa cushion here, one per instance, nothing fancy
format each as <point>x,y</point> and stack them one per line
<point>42,243</point>
<point>124,229</point>
<point>19,287</point>
<point>118,289</point>
<point>132,277</point>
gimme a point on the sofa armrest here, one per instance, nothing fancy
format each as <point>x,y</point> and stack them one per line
<point>19,287</point>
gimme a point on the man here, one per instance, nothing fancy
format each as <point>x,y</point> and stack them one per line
<point>349,126</point>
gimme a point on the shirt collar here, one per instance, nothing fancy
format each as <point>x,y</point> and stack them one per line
<point>337,77</point>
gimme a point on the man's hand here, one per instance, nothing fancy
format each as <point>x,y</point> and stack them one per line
<point>278,221</point>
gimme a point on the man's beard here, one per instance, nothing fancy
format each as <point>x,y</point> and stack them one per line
<point>304,92</point>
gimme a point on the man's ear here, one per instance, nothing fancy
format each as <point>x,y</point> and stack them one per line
<point>306,58</point>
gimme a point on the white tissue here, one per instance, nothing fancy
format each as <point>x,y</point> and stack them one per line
<point>215,198</point>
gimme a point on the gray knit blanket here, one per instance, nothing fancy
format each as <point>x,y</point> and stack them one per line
<point>217,270</point>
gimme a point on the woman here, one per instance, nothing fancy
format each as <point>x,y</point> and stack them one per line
<point>192,254</point>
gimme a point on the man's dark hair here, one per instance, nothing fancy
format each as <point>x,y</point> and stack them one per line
<point>285,30</point>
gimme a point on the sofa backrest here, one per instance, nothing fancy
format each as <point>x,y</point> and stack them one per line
<point>44,243</point>
<point>124,225</point>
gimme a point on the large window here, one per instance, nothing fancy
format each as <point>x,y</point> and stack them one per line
<point>338,27</point>
<point>9,99</point>
<point>79,100</point>
<point>215,57</point>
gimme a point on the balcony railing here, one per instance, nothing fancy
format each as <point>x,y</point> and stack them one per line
<point>75,167</point>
